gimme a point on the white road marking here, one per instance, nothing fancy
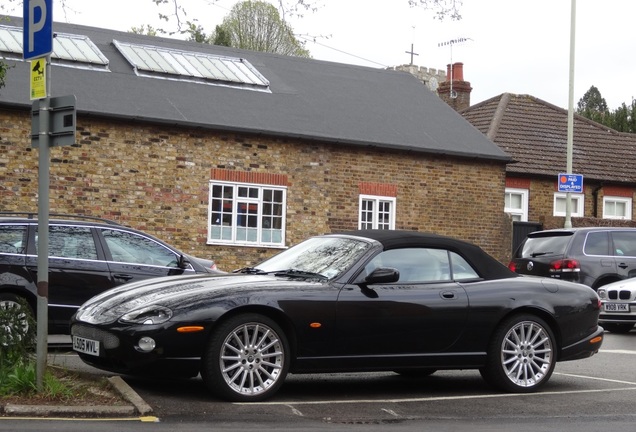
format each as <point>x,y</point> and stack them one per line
<point>596,378</point>
<point>434,399</point>
<point>393,413</point>
<point>295,411</point>
<point>618,352</point>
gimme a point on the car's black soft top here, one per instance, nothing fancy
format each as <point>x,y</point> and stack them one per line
<point>487,266</point>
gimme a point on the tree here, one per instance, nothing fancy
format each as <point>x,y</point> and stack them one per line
<point>442,8</point>
<point>144,30</point>
<point>623,119</point>
<point>222,37</point>
<point>177,15</point>
<point>593,106</point>
<point>257,26</point>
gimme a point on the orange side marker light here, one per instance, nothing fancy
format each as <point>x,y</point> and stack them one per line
<point>597,339</point>
<point>190,329</point>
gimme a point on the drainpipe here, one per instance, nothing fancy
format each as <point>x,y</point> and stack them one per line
<point>595,196</point>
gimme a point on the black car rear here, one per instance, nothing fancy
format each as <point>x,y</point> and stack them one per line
<point>544,253</point>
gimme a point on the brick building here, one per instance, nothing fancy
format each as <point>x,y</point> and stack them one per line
<point>233,155</point>
<point>534,133</point>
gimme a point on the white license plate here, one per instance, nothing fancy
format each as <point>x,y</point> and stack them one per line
<point>616,307</point>
<point>86,346</point>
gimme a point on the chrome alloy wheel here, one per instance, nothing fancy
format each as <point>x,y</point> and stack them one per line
<point>252,358</point>
<point>15,323</point>
<point>527,354</point>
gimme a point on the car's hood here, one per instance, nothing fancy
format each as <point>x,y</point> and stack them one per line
<point>177,292</point>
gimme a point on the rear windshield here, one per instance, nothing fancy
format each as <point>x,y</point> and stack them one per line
<point>544,246</point>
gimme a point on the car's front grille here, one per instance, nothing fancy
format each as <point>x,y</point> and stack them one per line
<point>108,340</point>
<point>619,295</point>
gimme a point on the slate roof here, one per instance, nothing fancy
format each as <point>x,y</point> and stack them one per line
<point>309,99</point>
<point>534,133</point>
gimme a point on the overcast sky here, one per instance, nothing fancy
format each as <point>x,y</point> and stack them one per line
<point>516,46</point>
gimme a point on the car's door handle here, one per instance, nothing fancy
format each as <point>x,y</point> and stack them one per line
<point>123,276</point>
<point>623,265</point>
<point>448,295</point>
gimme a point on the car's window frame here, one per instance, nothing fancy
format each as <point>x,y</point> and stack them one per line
<point>446,258</point>
<point>24,242</point>
<point>111,258</point>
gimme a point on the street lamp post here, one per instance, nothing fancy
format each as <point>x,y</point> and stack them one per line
<point>570,138</point>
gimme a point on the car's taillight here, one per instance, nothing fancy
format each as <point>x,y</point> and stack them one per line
<point>565,266</point>
<point>512,266</point>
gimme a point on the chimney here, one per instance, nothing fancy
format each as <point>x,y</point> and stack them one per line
<point>455,91</point>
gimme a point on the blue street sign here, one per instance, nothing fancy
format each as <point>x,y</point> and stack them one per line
<point>571,183</point>
<point>37,35</point>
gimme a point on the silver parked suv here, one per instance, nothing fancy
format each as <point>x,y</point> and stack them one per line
<point>603,258</point>
<point>591,256</point>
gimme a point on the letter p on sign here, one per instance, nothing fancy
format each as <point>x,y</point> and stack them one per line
<point>37,38</point>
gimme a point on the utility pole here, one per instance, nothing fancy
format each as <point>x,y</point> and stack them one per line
<point>570,137</point>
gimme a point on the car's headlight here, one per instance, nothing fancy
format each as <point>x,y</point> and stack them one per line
<point>152,314</point>
<point>602,293</point>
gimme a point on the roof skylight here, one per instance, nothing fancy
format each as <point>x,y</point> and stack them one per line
<point>67,48</point>
<point>156,61</point>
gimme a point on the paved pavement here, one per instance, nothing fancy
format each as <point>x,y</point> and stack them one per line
<point>60,354</point>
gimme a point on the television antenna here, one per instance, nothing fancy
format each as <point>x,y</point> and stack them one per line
<point>450,43</point>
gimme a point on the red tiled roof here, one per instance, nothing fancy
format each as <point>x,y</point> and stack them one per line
<point>534,133</point>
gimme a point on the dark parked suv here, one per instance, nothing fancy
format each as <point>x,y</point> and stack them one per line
<point>591,256</point>
<point>86,256</point>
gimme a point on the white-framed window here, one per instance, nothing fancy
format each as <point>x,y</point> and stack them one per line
<point>577,203</point>
<point>246,214</point>
<point>516,204</point>
<point>376,212</point>
<point>617,208</point>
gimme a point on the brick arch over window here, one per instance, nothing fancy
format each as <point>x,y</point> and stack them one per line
<point>380,189</point>
<point>249,177</point>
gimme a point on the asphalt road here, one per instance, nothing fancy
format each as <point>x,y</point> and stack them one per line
<point>600,389</point>
<point>583,396</point>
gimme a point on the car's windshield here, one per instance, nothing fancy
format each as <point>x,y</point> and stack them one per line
<point>326,256</point>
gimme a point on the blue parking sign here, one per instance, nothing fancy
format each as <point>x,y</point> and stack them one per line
<point>571,183</point>
<point>37,34</point>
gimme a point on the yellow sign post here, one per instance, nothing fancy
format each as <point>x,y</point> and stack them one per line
<point>38,78</point>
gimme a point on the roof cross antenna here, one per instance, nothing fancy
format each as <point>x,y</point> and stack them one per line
<point>450,43</point>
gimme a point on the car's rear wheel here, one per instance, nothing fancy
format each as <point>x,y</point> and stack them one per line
<point>17,318</point>
<point>618,327</point>
<point>521,355</point>
<point>247,359</point>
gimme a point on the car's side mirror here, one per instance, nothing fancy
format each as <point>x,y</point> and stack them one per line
<point>382,275</point>
<point>183,262</point>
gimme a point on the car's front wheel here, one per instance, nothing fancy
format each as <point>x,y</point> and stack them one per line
<point>247,358</point>
<point>521,355</point>
<point>17,319</point>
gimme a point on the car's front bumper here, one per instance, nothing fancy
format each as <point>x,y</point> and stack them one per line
<point>174,354</point>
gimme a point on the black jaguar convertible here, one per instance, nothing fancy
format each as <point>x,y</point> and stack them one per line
<point>360,301</point>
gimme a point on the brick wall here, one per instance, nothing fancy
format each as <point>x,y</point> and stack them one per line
<point>541,204</point>
<point>155,178</point>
